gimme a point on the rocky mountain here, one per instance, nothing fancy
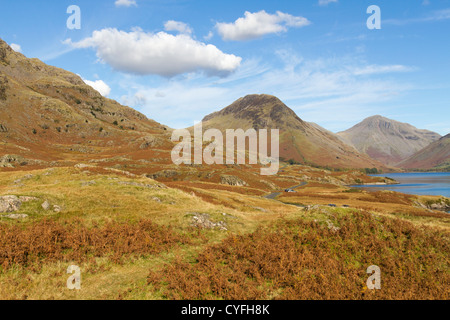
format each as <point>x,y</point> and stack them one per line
<point>435,156</point>
<point>299,140</point>
<point>386,140</point>
<point>48,114</point>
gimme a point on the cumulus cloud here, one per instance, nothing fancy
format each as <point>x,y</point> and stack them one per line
<point>16,47</point>
<point>258,24</point>
<point>126,3</point>
<point>100,86</point>
<point>181,27</point>
<point>326,2</point>
<point>163,54</point>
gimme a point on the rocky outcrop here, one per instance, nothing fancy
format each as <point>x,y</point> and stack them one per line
<point>10,161</point>
<point>162,174</point>
<point>232,181</point>
<point>203,221</point>
<point>13,203</point>
<point>9,204</point>
<point>5,50</point>
<point>150,142</point>
<point>442,204</point>
<point>3,87</point>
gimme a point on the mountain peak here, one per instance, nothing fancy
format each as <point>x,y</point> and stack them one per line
<point>255,101</point>
<point>376,117</point>
<point>5,50</point>
<point>262,109</point>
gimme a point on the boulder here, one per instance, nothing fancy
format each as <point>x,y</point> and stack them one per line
<point>9,204</point>
<point>46,205</point>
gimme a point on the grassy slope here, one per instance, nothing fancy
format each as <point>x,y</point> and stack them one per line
<point>91,198</point>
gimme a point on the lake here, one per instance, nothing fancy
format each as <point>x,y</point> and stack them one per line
<point>429,183</point>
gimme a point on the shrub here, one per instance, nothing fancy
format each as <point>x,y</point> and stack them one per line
<point>48,241</point>
<point>311,260</point>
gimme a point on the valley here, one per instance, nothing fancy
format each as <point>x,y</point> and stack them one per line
<point>88,182</point>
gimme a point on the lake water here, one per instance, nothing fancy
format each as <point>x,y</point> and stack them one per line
<point>430,183</point>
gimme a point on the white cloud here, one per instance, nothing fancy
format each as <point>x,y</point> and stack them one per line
<point>209,36</point>
<point>376,69</point>
<point>258,24</point>
<point>326,2</point>
<point>181,27</point>
<point>100,86</point>
<point>163,54</point>
<point>16,47</point>
<point>125,3</point>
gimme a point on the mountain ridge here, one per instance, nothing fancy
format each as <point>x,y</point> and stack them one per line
<point>50,114</point>
<point>436,156</point>
<point>386,140</point>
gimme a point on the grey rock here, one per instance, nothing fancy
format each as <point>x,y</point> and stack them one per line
<point>17,216</point>
<point>203,221</point>
<point>9,204</point>
<point>46,205</point>
<point>232,181</point>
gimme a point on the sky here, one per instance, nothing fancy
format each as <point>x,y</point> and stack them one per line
<point>177,61</point>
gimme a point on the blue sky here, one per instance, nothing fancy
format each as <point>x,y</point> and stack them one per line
<point>178,60</point>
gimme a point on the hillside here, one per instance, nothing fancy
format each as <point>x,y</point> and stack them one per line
<point>386,140</point>
<point>435,156</point>
<point>49,114</point>
<point>299,140</point>
<point>87,182</point>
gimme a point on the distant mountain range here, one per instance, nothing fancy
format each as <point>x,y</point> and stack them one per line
<point>300,141</point>
<point>387,140</point>
<point>50,114</point>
